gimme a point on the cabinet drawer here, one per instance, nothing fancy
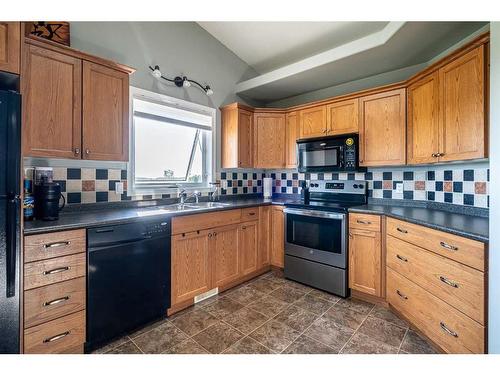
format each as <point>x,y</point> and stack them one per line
<point>57,336</point>
<point>191,223</point>
<point>446,326</point>
<point>251,213</point>
<point>51,245</point>
<point>365,222</point>
<point>460,249</point>
<point>53,301</point>
<point>52,271</point>
<point>460,286</point>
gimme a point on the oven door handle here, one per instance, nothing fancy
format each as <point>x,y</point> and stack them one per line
<point>314,213</point>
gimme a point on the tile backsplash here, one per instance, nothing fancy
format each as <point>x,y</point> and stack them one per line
<point>462,185</point>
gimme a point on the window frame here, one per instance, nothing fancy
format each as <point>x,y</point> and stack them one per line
<point>209,163</point>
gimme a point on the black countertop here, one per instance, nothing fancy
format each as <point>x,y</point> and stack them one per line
<point>470,226</point>
<point>473,227</point>
<point>96,216</point>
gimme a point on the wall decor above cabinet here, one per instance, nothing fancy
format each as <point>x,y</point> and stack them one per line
<point>75,105</point>
<point>438,115</point>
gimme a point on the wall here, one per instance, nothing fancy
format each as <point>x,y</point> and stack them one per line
<point>494,245</point>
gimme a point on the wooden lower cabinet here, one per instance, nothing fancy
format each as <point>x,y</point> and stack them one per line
<point>225,254</point>
<point>248,248</point>
<point>190,265</point>
<point>218,257</point>
<point>365,261</point>
<point>278,237</point>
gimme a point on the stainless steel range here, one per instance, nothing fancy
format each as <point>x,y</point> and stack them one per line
<point>316,233</point>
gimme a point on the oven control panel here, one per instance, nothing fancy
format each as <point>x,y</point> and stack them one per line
<point>336,186</point>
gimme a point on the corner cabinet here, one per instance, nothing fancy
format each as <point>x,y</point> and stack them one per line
<point>269,140</point>
<point>10,46</point>
<point>237,137</point>
<point>383,129</point>
<point>74,105</point>
<point>446,112</point>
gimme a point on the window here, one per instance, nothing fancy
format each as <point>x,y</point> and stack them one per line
<point>171,143</point>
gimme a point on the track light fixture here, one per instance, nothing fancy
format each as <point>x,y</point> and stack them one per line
<point>180,81</point>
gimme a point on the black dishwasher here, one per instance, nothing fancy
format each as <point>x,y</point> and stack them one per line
<point>128,278</point>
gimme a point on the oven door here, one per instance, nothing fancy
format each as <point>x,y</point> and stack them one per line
<point>316,235</point>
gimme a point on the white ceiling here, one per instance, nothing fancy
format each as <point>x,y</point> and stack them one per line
<point>293,58</point>
<point>269,45</point>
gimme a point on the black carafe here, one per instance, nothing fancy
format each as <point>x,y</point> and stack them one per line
<point>47,197</point>
<point>305,193</point>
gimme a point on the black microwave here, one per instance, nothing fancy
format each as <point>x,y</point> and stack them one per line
<point>329,154</point>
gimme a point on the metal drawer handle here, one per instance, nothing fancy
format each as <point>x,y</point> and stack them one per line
<point>57,244</point>
<point>243,227</point>
<point>449,282</point>
<point>56,270</point>
<point>448,246</point>
<point>363,222</point>
<point>401,294</point>
<point>251,213</point>
<point>447,330</point>
<point>401,258</point>
<point>56,301</point>
<point>401,230</point>
<point>56,337</point>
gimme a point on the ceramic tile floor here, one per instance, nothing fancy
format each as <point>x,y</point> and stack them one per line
<point>270,314</point>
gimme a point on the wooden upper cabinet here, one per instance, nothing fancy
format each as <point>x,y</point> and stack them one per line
<point>52,89</point>
<point>237,138</point>
<point>190,266</point>
<point>343,117</point>
<point>312,122</point>
<point>225,254</point>
<point>292,134</point>
<point>463,124</point>
<point>105,113</point>
<point>10,46</point>
<point>249,247</point>
<point>383,128</point>
<point>423,120</point>
<point>269,140</point>
<point>365,261</point>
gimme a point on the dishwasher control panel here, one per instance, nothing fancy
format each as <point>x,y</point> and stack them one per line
<point>158,227</point>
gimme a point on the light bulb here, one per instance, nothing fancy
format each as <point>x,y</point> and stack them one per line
<point>185,82</point>
<point>209,91</point>
<point>156,72</point>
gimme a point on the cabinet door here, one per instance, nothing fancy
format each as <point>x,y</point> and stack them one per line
<point>343,117</point>
<point>463,124</point>
<point>224,253</point>
<point>270,140</point>
<point>248,247</point>
<point>51,89</point>
<point>265,236</point>
<point>190,266</point>
<point>278,237</point>
<point>10,46</point>
<point>383,129</point>
<point>313,122</point>
<point>245,139</point>
<point>365,261</point>
<point>292,134</point>
<point>105,113</point>
<point>423,120</point>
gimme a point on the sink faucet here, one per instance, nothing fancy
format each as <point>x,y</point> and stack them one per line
<point>183,195</point>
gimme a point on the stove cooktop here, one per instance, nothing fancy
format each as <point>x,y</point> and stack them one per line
<point>323,206</point>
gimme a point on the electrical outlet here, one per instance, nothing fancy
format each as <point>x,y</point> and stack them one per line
<point>399,187</point>
<point>118,187</point>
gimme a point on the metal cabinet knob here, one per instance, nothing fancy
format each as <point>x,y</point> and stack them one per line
<point>77,151</point>
<point>87,151</point>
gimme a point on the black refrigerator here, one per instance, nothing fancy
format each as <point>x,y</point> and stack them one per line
<point>10,213</point>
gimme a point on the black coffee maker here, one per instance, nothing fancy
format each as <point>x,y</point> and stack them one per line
<point>47,197</point>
